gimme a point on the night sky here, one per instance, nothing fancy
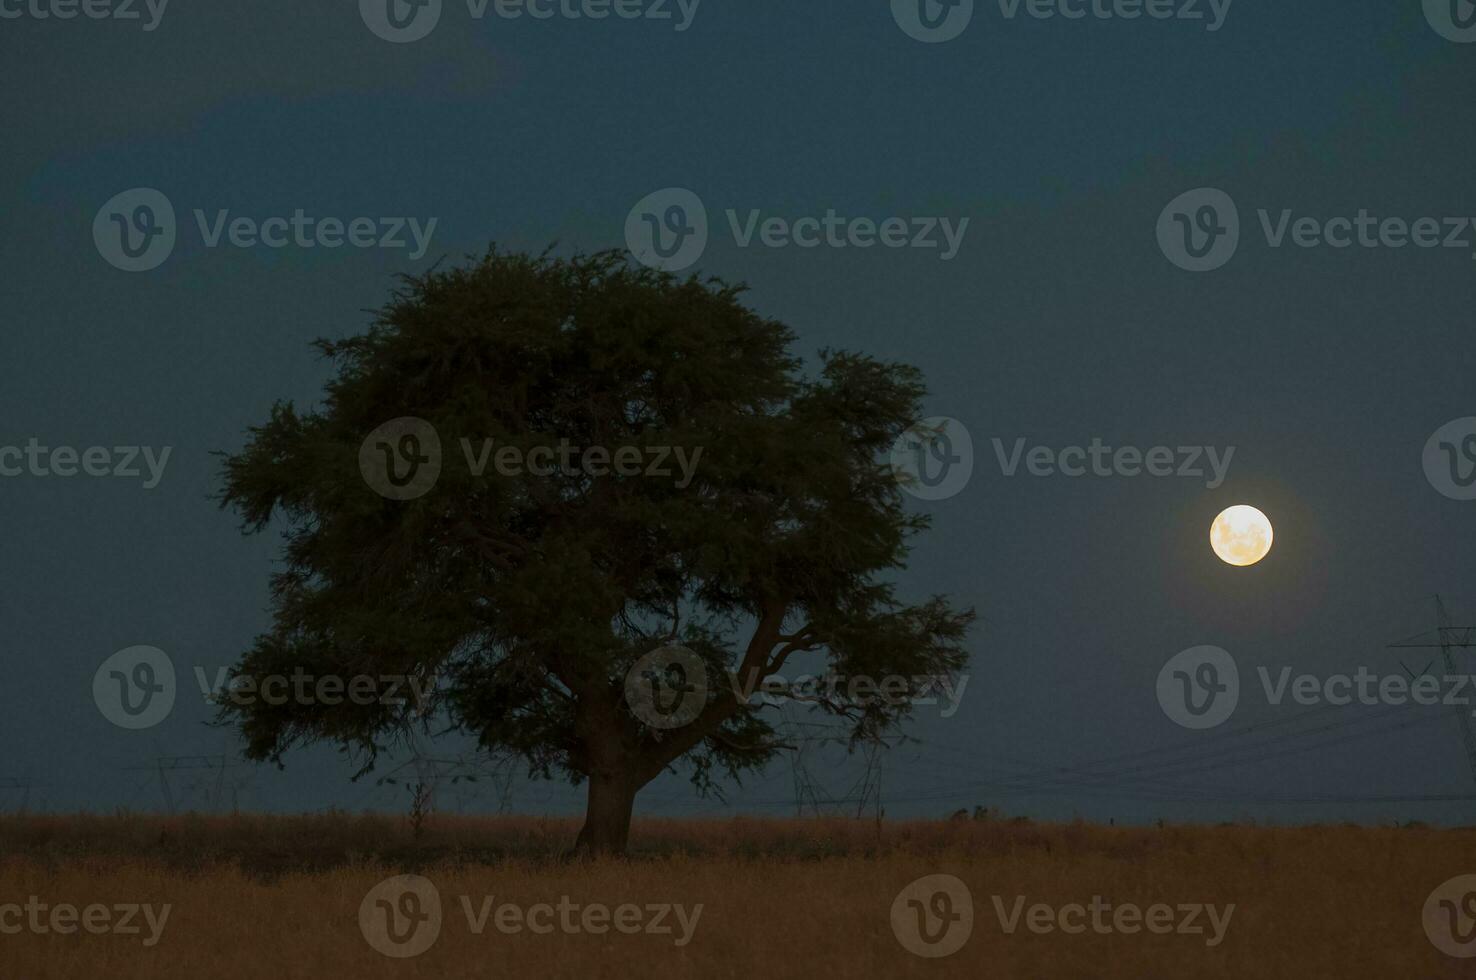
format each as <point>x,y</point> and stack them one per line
<point>1058,321</point>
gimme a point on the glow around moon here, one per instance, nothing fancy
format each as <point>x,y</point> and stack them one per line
<point>1241,535</point>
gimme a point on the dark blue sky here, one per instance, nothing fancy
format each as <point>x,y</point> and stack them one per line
<point>1059,321</point>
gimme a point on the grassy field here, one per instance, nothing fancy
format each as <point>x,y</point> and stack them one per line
<point>288,897</point>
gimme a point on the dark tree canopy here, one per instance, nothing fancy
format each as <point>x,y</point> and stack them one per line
<point>527,598</point>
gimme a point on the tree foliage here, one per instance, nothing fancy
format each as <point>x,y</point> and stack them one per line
<point>525,599</point>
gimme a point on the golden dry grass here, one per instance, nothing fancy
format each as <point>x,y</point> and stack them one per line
<point>279,897</point>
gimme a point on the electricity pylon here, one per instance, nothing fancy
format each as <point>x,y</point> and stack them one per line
<point>164,765</point>
<point>431,772</point>
<point>803,738</point>
<point>869,788</point>
<point>21,784</point>
<point>1447,639</point>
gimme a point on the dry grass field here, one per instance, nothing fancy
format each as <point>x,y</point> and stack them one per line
<point>281,897</point>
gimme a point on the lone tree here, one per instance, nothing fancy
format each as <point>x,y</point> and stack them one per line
<point>520,592</point>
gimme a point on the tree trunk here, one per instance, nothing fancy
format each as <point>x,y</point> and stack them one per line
<point>607,815</point>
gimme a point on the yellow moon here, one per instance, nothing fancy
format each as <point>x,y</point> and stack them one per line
<point>1241,535</point>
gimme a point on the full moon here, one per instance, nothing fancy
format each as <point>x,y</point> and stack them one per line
<point>1241,535</point>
